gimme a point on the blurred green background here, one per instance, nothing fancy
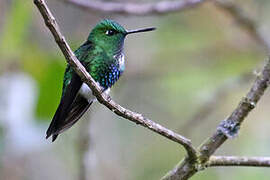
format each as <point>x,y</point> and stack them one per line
<point>196,59</point>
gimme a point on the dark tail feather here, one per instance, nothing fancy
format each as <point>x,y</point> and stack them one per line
<point>54,137</point>
<point>58,126</point>
<point>56,118</point>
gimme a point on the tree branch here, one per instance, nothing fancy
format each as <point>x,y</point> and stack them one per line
<point>227,128</point>
<point>162,7</point>
<point>238,161</point>
<point>103,98</point>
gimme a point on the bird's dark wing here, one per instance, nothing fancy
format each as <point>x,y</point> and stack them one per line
<point>79,107</point>
<point>72,106</point>
<point>65,106</point>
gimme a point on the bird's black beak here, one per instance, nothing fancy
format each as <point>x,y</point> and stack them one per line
<point>140,30</point>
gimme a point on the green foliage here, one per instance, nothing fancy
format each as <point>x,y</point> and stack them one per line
<point>45,68</point>
<point>48,71</point>
<point>15,29</point>
<point>50,90</point>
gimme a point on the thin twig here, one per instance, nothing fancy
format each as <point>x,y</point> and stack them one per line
<point>83,147</point>
<point>103,98</point>
<point>238,161</point>
<point>162,7</point>
<point>243,20</point>
<point>229,127</point>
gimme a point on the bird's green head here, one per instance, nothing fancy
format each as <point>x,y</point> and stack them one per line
<point>110,36</point>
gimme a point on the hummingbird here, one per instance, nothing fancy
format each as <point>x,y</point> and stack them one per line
<point>103,57</point>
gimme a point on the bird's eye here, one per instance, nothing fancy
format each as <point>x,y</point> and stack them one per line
<point>110,32</point>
